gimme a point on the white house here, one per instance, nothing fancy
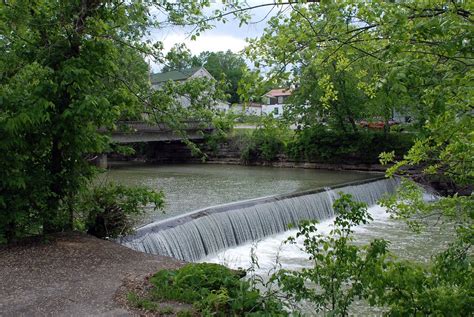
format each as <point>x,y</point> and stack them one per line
<point>157,80</point>
<point>251,108</point>
<point>275,100</point>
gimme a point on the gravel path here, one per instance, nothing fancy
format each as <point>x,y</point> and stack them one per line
<point>71,275</point>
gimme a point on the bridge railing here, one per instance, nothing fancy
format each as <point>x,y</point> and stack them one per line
<point>141,126</point>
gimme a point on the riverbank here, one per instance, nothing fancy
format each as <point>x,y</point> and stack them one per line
<point>230,154</point>
<point>72,274</point>
<point>284,163</point>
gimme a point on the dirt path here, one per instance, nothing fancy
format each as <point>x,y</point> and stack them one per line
<point>72,275</point>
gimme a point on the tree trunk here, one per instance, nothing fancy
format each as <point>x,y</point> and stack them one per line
<point>10,230</point>
<point>70,207</point>
<point>50,221</point>
<point>340,118</point>
<point>353,124</point>
<point>386,127</point>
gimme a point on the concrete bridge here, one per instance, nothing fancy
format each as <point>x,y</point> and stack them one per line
<point>138,131</point>
<point>142,132</point>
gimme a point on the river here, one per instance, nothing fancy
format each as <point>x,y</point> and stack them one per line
<point>272,253</point>
<point>189,187</point>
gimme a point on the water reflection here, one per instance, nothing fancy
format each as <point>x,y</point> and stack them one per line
<point>194,186</point>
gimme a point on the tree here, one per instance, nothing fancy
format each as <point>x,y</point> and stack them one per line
<point>180,58</point>
<point>322,48</point>
<point>225,66</point>
<point>325,79</point>
<point>415,56</point>
<point>67,69</point>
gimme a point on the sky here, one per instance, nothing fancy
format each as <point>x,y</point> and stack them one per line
<point>222,37</point>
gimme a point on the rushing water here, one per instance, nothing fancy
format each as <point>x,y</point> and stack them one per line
<point>404,242</point>
<point>272,253</point>
<point>194,186</point>
<point>228,233</point>
<point>192,236</point>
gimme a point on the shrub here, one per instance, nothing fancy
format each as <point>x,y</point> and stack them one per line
<point>316,143</point>
<point>223,125</point>
<point>267,141</point>
<point>107,210</point>
<point>212,289</point>
<point>320,144</point>
<point>341,272</point>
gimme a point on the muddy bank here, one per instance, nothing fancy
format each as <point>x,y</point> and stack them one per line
<point>72,274</point>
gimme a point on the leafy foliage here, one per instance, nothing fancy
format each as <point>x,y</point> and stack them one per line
<point>267,141</point>
<point>213,289</point>
<point>272,138</point>
<point>109,210</point>
<point>226,67</point>
<point>341,272</point>
<point>180,58</point>
<point>445,286</point>
<point>357,60</point>
<point>317,143</point>
<point>223,124</point>
<point>68,72</point>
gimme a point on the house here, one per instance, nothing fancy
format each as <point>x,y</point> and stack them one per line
<point>251,109</point>
<point>179,76</point>
<point>157,80</point>
<point>274,101</point>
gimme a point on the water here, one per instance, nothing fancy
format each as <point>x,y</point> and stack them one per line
<point>193,186</point>
<point>227,233</point>
<point>273,254</point>
<point>192,236</point>
<point>404,243</point>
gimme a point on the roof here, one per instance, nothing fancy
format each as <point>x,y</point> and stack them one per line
<point>175,75</point>
<point>279,92</point>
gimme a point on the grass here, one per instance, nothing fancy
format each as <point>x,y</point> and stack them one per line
<point>212,289</point>
<point>149,305</point>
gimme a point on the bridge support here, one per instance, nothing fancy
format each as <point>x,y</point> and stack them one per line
<point>101,161</point>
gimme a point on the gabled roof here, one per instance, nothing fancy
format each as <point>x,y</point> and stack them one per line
<point>175,75</point>
<point>279,92</point>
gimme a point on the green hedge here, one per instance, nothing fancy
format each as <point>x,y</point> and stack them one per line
<point>319,144</point>
<point>266,142</point>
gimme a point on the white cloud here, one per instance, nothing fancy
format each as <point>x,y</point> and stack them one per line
<point>206,42</point>
<point>223,37</point>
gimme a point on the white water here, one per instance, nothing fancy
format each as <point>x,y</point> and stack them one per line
<point>272,250</point>
<point>193,236</point>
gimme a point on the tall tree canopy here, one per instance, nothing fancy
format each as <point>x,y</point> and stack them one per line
<point>180,58</point>
<point>354,59</point>
<point>349,60</point>
<point>225,66</point>
<point>67,70</point>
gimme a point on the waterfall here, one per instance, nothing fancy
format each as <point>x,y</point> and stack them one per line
<point>194,235</point>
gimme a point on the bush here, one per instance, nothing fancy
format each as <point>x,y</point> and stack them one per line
<point>223,125</point>
<point>320,144</point>
<point>212,289</point>
<point>340,270</point>
<point>107,210</point>
<point>267,141</point>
